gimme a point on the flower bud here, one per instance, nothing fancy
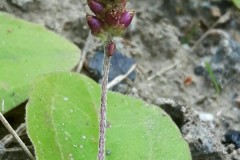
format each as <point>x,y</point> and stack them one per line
<point>110,48</point>
<point>95,25</point>
<point>96,7</point>
<point>126,18</point>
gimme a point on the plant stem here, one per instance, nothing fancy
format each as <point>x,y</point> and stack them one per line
<point>103,109</point>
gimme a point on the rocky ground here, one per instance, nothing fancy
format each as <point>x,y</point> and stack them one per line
<point>187,54</point>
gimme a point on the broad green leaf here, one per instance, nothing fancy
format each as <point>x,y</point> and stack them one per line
<point>236,3</point>
<point>62,122</point>
<point>26,51</point>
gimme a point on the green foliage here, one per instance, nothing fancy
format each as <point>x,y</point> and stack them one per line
<point>189,35</point>
<point>213,78</point>
<point>236,3</point>
<point>62,122</point>
<point>26,51</point>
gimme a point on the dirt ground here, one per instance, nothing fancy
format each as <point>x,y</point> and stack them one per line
<point>171,61</point>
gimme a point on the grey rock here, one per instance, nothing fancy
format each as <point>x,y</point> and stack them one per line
<point>202,141</point>
<point>23,4</point>
<point>201,137</point>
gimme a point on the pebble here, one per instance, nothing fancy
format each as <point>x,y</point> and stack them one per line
<point>233,137</point>
<point>120,64</point>
<point>206,117</point>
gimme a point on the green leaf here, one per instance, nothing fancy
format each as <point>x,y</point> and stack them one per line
<point>26,51</point>
<point>62,122</point>
<point>213,78</point>
<point>236,3</point>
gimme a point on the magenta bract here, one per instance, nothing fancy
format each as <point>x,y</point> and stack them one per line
<point>94,24</point>
<point>96,7</point>
<point>126,18</point>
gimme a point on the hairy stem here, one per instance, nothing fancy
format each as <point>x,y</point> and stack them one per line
<point>103,109</point>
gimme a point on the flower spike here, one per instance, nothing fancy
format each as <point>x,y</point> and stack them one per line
<point>111,17</point>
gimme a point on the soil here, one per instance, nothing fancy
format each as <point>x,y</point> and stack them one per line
<point>172,70</point>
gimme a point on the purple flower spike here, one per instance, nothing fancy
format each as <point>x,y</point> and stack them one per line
<point>126,18</point>
<point>94,24</point>
<point>96,7</point>
<point>110,17</point>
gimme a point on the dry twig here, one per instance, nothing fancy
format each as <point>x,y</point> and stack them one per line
<point>15,149</point>
<point>9,138</point>
<point>222,19</point>
<point>84,53</point>
<point>3,106</point>
<point>14,134</point>
<point>162,71</point>
<point>120,78</point>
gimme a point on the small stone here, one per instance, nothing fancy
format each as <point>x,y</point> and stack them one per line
<point>206,117</point>
<point>236,99</point>
<point>199,70</point>
<point>215,11</point>
<point>233,137</point>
